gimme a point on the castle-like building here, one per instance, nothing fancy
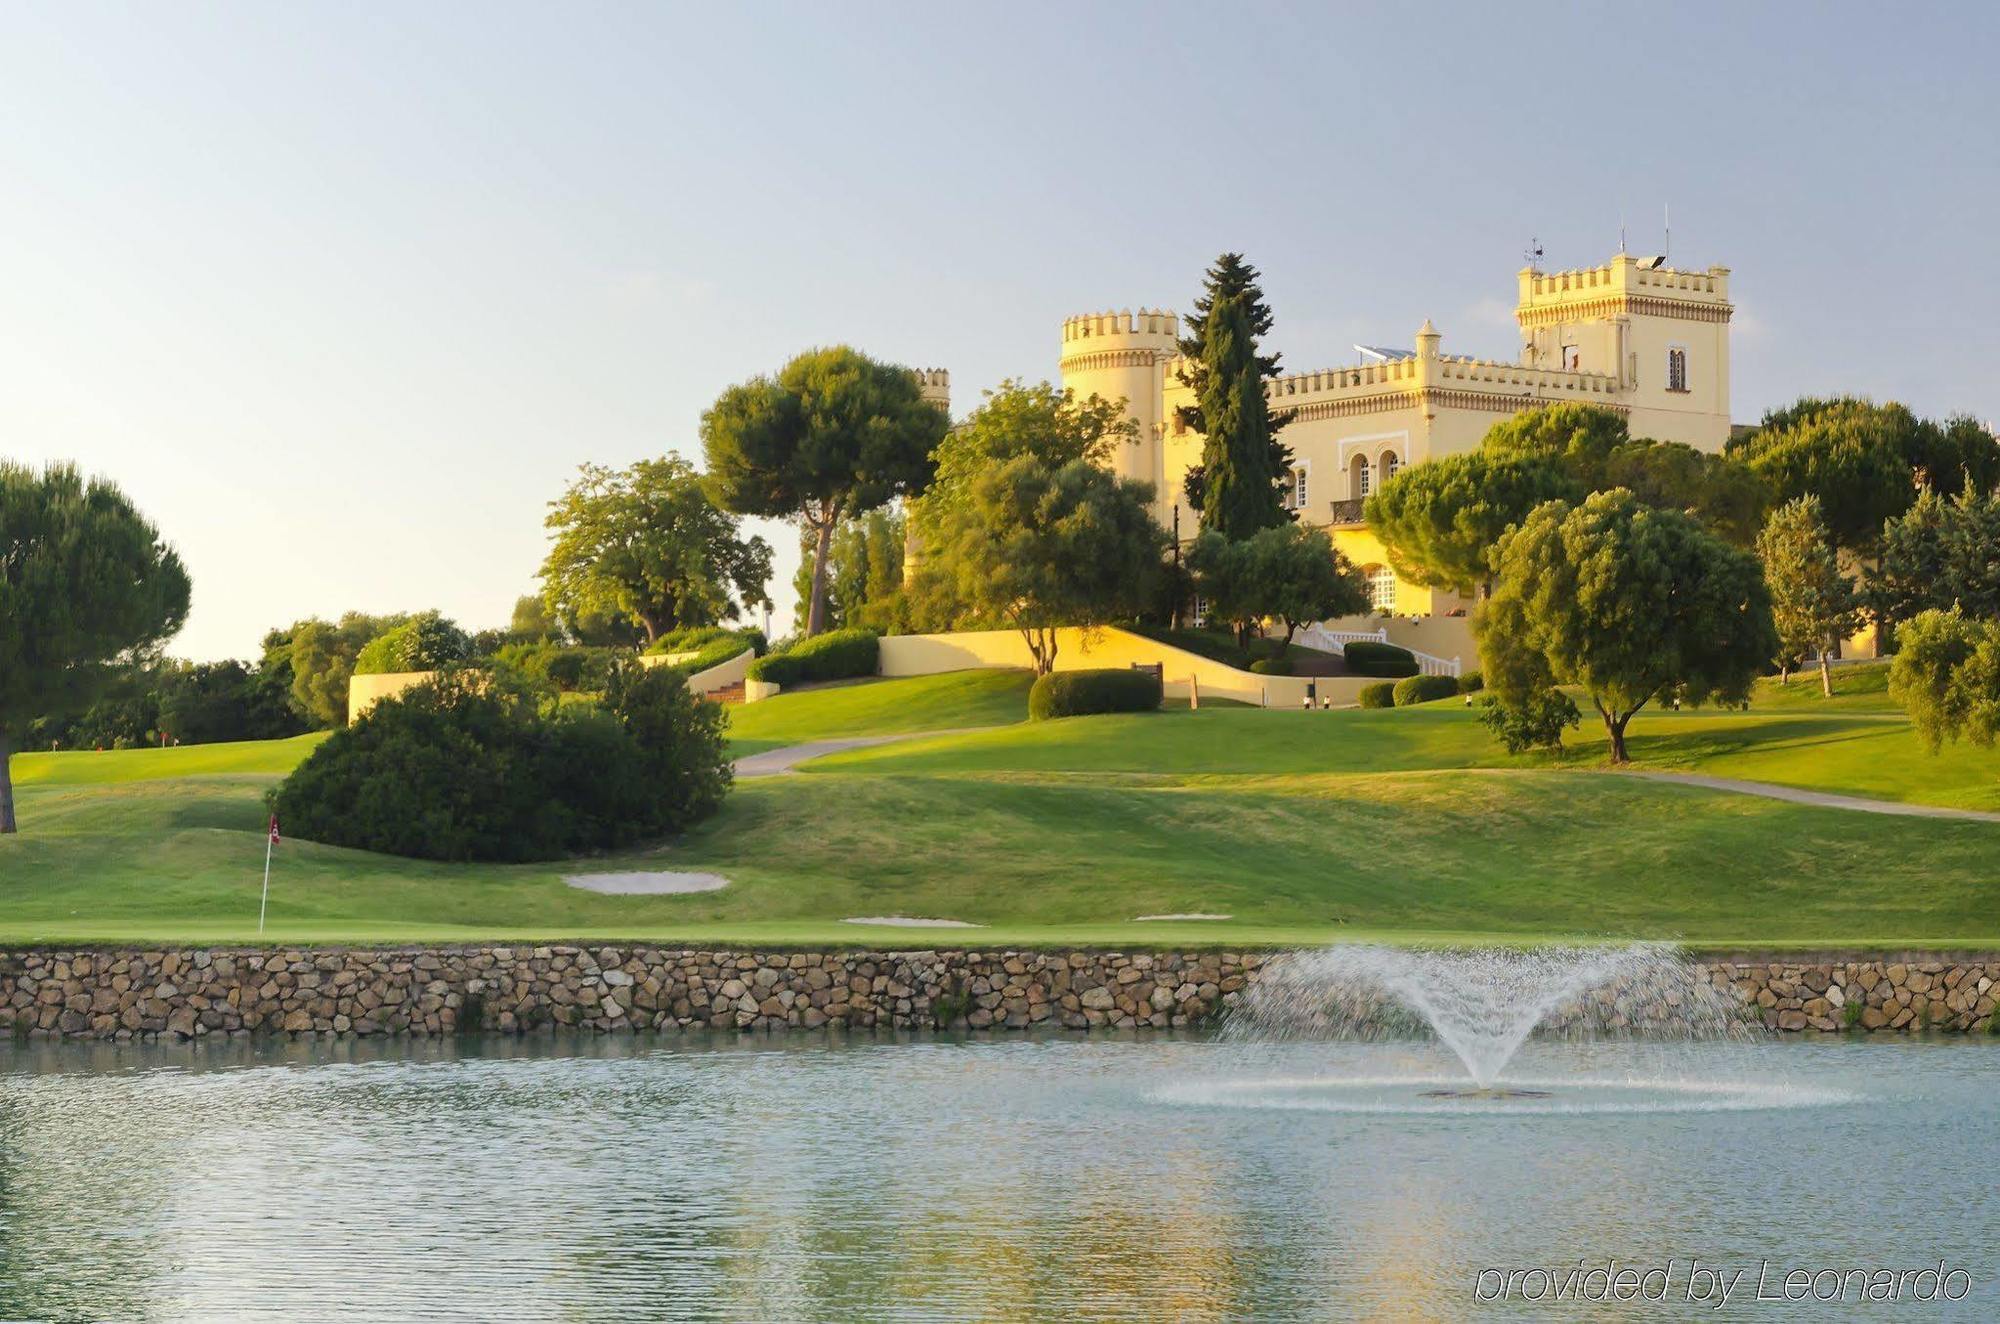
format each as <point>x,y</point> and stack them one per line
<point>1634,335</point>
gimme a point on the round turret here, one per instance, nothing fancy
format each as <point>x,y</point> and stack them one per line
<point>1123,356</point>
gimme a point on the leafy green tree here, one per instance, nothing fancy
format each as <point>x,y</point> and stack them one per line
<point>1863,461</point>
<point>426,641</point>
<point>1946,676</point>
<point>1580,438</point>
<point>1938,554</point>
<point>1533,718</point>
<point>1291,574</point>
<point>865,568</point>
<point>1045,423</point>
<point>647,544</point>
<point>320,655</point>
<point>1040,546</point>
<point>1813,605</point>
<point>204,702</point>
<point>532,622</point>
<point>1723,493</point>
<point>1629,602</point>
<point>834,434</point>
<point>86,586</point>
<point>1440,520</point>
<point>1229,278</point>
<point>1242,480</point>
<point>1966,452</point>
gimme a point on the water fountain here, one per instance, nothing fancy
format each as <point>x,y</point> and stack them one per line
<point>1625,1020</point>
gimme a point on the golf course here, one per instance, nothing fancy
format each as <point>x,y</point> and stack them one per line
<point>1407,824</point>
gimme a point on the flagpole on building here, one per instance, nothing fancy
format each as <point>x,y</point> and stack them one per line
<point>270,840</point>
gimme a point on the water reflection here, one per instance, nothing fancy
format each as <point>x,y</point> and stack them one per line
<point>915,1178</point>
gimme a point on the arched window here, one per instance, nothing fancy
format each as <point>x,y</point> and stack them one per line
<point>1299,488</point>
<point>1677,369</point>
<point>1381,587</point>
<point>1360,478</point>
<point>1389,465</point>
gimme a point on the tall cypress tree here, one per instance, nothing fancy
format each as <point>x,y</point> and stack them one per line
<point>1230,278</point>
<point>1240,479</point>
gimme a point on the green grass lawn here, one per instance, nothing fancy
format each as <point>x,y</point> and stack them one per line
<point>1406,825</point>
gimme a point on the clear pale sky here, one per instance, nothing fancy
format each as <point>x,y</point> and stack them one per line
<point>342,294</point>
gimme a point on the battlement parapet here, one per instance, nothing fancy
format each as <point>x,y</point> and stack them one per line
<point>1623,276</point>
<point>1149,328</point>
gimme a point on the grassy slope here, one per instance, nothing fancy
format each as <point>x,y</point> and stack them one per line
<point>950,701</point>
<point>1303,827</point>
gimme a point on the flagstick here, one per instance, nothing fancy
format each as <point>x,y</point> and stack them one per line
<point>265,899</point>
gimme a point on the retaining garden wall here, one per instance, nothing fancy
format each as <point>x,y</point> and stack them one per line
<point>188,993</point>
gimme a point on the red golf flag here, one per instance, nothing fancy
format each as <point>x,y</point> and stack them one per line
<point>274,829</point>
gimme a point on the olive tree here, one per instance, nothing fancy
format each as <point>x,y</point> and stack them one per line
<point>1041,546</point>
<point>86,586</point>
<point>1630,603</point>
<point>647,545</point>
<point>1813,605</point>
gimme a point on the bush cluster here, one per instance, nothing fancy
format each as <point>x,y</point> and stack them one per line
<point>1370,659</point>
<point>1424,689</point>
<point>1379,695</point>
<point>1272,666</point>
<point>1079,693</point>
<point>455,770</point>
<point>558,667</point>
<point>424,642</point>
<point>835,655</point>
<point>1471,682</point>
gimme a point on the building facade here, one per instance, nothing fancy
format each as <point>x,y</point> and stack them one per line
<point>1633,335</point>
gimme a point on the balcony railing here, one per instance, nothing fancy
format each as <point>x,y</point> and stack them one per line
<point>1347,512</point>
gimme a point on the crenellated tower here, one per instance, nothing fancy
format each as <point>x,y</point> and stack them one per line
<point>1124,356</point>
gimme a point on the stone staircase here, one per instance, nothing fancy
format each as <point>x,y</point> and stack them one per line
<point>727,694</point>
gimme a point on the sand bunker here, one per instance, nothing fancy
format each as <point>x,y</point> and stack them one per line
<point>663,883</point>
<point>904,922</point>
<point>1146,919</point>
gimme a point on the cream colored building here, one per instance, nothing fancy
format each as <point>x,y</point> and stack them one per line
<point>1633,335</point>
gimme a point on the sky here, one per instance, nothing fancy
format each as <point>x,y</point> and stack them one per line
<point>341,295</point>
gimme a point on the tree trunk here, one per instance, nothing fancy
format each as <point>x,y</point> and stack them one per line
<point>1041,648</point>
<point>1825,675</point>
<point>816,614</point>
<point>6,785</point>
<point>1615,728</point>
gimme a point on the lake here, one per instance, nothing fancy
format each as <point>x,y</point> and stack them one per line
<point>922,1178</point>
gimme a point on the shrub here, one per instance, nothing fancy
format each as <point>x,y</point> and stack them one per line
<point>834,655</point>
<point>425,642</point>
<point>1272,666</point>
<point>702,638</point>
<point>1424,689</point>
<point>1471,682</point>
<point>1380,695</point>
<point>554,666</point>
<point>454,770</point>
<point>1078,693</point>
<point>1534,722</point>
<point>1370,659</point>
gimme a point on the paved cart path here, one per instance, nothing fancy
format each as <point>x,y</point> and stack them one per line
<point>1823,799</point>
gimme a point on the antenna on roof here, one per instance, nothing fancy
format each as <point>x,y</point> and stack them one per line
<point>1667,242</point>
<point>1533,254</point>
<point>1621,233</point>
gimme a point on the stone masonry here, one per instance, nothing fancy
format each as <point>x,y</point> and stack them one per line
<point>147,994</point>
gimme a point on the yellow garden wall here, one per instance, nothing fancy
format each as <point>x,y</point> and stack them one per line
<point>928,654</point>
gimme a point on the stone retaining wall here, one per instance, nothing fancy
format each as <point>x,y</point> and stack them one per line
<point>128,994</point>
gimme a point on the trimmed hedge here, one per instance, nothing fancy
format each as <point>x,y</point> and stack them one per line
<point>703,637</point>
<point>835,655</point>
<point>1381,695</point>
<point>1079,693</point>
<point>1369,659</point>
<point>1471,682</point>
<point>1424,689</point>
<point>1272,666</point>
